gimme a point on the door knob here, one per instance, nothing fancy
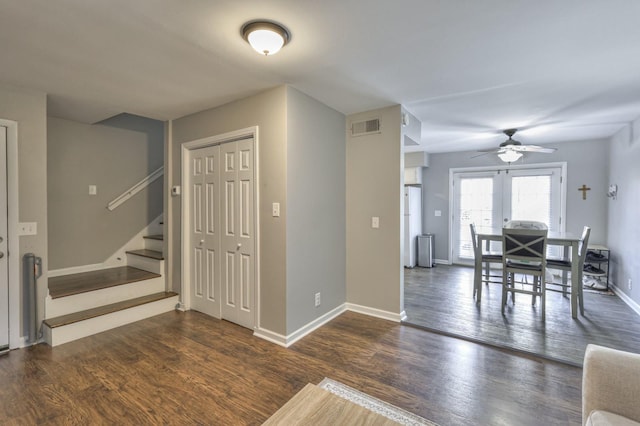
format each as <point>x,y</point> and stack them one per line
<point>1,239</point>
<point>1,255</point>
<point>201,242</point>
<point>239,245</point>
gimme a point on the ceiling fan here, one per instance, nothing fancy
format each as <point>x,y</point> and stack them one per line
<point>511,150</point>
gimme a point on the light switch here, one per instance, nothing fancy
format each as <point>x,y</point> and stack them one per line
<point>375,222</point>
<point>438,213</point>
<point>276,209</point>
<point>28,228</point>
<point>93,190</point>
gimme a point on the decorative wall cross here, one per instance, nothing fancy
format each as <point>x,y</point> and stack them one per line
<point>584,190</point>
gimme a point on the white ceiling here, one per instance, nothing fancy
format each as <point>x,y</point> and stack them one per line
<point>565,70</point>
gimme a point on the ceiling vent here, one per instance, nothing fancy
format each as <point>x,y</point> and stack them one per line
<point>367,127</point>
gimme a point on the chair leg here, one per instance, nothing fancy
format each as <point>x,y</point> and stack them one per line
<point>543,294</point>
<point>505,283</point>
<point>535,290</point>
<point>512,284</point>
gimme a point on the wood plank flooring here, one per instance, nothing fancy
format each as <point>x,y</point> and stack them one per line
<point>187,368</point>
<point>67,285</point>
<point>441,299</point>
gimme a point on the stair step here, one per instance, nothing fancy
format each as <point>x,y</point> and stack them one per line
<point>107,309</point>
<point>67,328</point>
<point>155,237</point>
<point>152,254</point>
<point>68,285</point>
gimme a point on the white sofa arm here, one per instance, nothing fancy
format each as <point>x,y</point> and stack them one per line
<point>611,382</point>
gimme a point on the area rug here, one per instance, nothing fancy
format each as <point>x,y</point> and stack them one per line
<point>380,407</point>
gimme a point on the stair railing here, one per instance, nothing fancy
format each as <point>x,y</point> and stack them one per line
<point>135,189</point>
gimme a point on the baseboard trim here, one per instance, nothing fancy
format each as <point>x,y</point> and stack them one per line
<point>625,298</point>
<point>286,341</point>
<point>378,313</point>
<point>289,340</point>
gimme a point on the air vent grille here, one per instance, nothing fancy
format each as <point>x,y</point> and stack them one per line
<point>366,127</point>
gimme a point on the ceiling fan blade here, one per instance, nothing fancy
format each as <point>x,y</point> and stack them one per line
<point>485,152</point>
<point>496,150</point>
<point>533,148</point>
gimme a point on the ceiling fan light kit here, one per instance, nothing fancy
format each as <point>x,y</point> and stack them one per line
<point>509,156</point>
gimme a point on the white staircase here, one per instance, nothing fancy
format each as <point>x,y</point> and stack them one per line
<point>83,304</point>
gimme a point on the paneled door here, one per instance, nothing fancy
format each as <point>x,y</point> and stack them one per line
<point>238,239</point>
<point>222,231</point>
<point>4,265</point>
<point>205,236</point>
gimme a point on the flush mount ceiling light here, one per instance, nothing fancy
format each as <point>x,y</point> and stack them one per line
<point>265,37</point>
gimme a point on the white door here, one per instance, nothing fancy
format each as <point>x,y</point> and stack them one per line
<point>204,235</point>
<point>237,237</point>
<point>4,265</point>
<point>222,231</point>
<point>490,199</point>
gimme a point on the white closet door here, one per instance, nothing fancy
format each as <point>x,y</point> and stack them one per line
<point>205,236</point>
<point>4,265</point>
<point>238,232</point>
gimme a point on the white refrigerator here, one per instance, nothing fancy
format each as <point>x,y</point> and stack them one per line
<point>412,224</point>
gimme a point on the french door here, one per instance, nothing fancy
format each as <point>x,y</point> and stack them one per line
<point>222,231</point>
<point>4,265</point>
<point>490,198</point>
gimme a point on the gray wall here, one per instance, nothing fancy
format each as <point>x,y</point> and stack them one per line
<point>316,209</point>
<point>624,212</point>
<point>587,163</point>
<point>114,156</point>
<point>268,111</point>
<point>374,188</point>
<point>29,109</point>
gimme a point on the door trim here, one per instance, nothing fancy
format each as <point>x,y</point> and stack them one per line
<point>562,165</point>
<point>185,259</point>
<point>15,312</point>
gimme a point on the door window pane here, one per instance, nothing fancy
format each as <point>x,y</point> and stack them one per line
<point>531,199</point>
<point>476,206</point>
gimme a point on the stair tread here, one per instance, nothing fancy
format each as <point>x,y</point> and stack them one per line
<point>153,254</point>
<point>69,285</point>
<point>106,309</point>
<point>155,237</point>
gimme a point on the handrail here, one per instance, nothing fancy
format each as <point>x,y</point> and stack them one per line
<point>135,189</point>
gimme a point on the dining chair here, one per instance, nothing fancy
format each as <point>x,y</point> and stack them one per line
<point>524,253</point>
<point>485,259</point>
<point>525,224</point>
<point>566,264</point>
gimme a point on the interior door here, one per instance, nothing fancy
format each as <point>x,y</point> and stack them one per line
<point>4,265</point>
<point>205,235</point>
<point>222,231</point>
<point>238,233</point>
<point>491,198</point>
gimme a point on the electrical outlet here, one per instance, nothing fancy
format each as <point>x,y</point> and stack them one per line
<point>317,299</point>
<point>375,222</point>
<point>629,284</point>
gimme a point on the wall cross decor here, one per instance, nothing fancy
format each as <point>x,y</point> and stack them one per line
<point>584,190</point>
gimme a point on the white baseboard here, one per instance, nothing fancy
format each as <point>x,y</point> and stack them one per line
<point>626,299</point>
<point>289,340</point>
<point>442,262</point>
<point>378,313</point>
<point>286,341</point>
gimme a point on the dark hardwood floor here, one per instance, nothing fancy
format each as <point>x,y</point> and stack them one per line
<point>187,368</point>
<point>441,299</point>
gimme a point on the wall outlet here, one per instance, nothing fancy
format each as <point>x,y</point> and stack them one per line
<point>28,228</point>
<point>629,286</point>
<point>93,190</point>
<point>375,222</point>
<point>317,299</point>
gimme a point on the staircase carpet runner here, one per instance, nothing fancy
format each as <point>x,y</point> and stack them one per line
<point>147,253</point>
<point>107,309</point>
<point>68,285</point>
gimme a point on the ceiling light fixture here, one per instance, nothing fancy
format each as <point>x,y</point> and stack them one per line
<point>509,156</point>
<point>265,37</point>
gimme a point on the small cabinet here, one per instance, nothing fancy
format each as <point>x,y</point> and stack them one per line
<point>596,267</point>
<point>413,176</point>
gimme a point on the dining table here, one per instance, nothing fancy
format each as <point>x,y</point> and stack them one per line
<point>570,243</point>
